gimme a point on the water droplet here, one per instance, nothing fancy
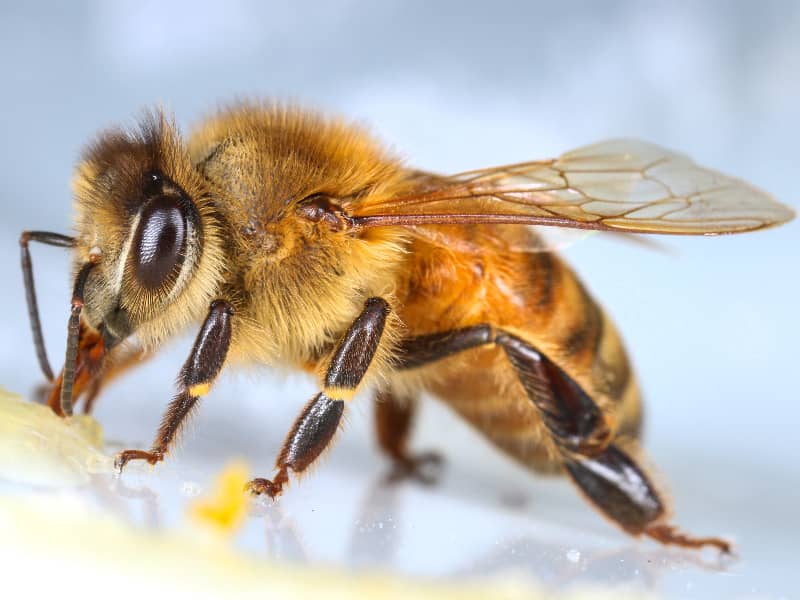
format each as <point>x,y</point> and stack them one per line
<point>190,489</point>
<point>573,555</point>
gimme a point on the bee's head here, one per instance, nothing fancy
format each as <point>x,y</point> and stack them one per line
<point>146,217</point>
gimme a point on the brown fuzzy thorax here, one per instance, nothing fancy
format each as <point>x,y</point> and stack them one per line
<point>298,284</point>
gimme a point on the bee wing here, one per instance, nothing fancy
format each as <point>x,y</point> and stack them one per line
<point>617,185</point>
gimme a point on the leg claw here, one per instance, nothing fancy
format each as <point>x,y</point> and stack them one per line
<point>669,535</point>
<point>271,488</point>
<point>124,457</point>
<point>424,468</point>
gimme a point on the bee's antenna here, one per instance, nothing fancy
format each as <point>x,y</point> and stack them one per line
<point>51,239</point>
<point>73,329</point>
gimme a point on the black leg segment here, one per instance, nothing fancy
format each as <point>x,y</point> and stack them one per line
<point>314,429</point>
<point>196,377</point>
<point>618,487</point>
<point>424,349</point>
<point>311,432</point>
<point>357,349</point>
<point>310,435</point>
<point>574,420</point>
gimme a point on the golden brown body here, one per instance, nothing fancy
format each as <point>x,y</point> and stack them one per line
<point>297,240</point>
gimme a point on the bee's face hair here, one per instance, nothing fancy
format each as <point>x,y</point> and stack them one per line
<point>142,206</point>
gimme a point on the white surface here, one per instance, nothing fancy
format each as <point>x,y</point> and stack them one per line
<point>488,518</point>
<point>713,330</point>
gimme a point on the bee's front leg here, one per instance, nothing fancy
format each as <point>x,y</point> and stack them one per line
<point>196,377</point>
<point>316,425</point>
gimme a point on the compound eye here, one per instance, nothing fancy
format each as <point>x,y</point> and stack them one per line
<point>159,245</point>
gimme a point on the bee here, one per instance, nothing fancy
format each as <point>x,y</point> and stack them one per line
<point>296,240</point>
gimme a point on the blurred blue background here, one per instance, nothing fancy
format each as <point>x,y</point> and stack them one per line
<point>712,325</point>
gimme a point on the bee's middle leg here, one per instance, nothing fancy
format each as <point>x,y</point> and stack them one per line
<point>314,429</point>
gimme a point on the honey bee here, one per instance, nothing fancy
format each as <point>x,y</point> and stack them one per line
<point>297,240</point>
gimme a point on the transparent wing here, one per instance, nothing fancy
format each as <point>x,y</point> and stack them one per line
<point>618,185</point>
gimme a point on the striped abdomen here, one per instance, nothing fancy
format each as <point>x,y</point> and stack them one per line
<point>484,276</point>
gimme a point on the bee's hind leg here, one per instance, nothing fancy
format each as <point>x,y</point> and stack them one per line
<point>609,477</point>
<point>393,420</point>
<point>619,487</point>
<point>591,452</point>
